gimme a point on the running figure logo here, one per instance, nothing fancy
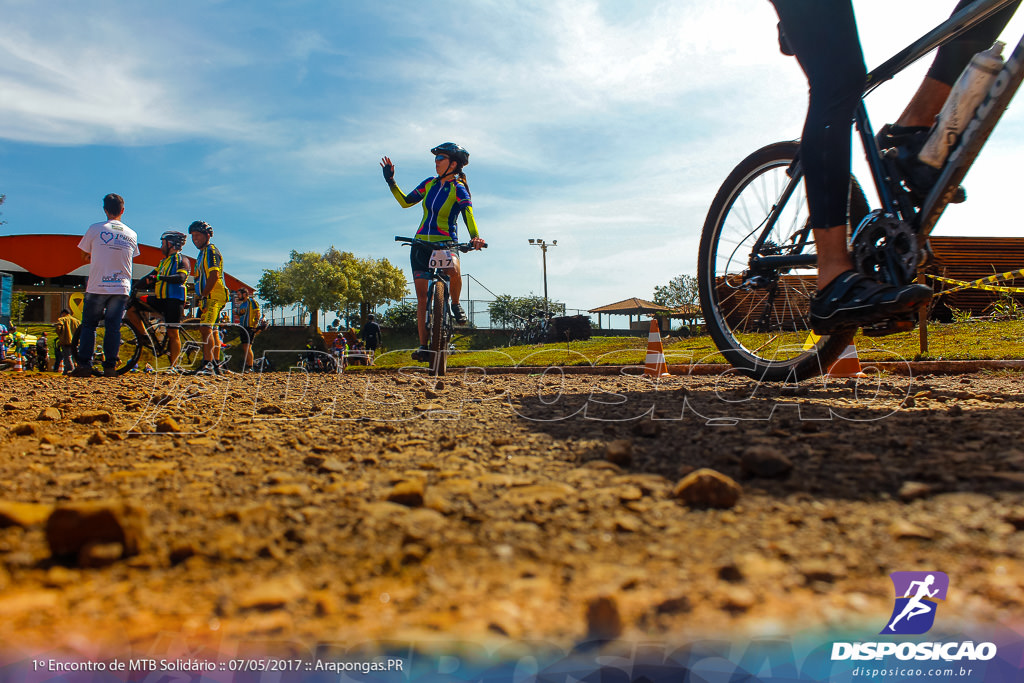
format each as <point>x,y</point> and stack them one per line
<point>914,612</point>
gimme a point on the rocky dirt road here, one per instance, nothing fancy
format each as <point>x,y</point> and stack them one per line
<point>296,511</point>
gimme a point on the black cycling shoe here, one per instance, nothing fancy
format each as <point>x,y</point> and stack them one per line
<point>853,300</point>
<point>459,315</point>
<point>421,355</point>
<point>918,177</point>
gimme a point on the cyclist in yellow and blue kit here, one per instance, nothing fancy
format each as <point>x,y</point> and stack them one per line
<point>169,281</point>
<point>213,295</point>
<point>444,198</point>
<point>249,316</point>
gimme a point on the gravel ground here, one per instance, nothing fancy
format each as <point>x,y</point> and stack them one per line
<point>299,511</point>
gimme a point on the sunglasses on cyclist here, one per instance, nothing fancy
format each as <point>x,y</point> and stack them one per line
<point>440,157</point>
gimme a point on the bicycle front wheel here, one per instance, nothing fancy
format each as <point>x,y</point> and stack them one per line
<point>757,270</point>
<point>133,340</point>
<point>438,341</point>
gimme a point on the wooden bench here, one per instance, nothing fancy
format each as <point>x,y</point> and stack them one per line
<point>972,258</point>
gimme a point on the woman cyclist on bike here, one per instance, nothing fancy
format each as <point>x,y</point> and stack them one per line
<point>444,197</point>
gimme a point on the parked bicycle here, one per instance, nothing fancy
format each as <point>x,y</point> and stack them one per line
<point>146,340</point>
<point>318,361</point>
<point>532,329</point>
<point>757,262</point>
<point>439,316</point>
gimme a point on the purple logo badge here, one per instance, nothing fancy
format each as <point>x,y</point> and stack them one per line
<point>916,596</point>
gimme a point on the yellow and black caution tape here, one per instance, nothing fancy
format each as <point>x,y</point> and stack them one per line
<point>984,283</point>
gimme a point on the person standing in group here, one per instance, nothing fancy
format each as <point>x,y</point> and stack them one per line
<point>370,334</point>
<point>444,197</point>
<point>212,293</point>
<point>42,352</point>
<point>249,315</point>
<point>168,279</point>
<point>109,246</point>
<point>339,348</point>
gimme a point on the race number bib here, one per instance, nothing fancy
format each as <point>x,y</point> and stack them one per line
<point>441,258</point>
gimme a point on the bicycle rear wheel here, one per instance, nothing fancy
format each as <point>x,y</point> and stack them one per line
<point>438,341</point>
<point>757,312</point>
<point>132,342</point>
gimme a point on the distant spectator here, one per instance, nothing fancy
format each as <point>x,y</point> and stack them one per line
<point>371,336</point>
<point>339,348</point>
<point>42,352</point>
<point>109,247</point>
<point>66,326</point>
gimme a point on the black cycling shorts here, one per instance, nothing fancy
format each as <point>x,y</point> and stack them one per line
<point>171,309</point>
<point>248,334</point>
<point>419,258</point>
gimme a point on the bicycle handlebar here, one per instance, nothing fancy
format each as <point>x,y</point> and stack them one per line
<point>463,247</point>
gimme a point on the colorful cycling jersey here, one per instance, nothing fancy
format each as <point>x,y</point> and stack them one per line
<point>248,312</point>
<point>211,264</point>
<point>172,265</point>
<point>442,204</point>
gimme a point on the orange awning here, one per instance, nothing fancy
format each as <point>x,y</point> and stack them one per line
<point>57,255</point>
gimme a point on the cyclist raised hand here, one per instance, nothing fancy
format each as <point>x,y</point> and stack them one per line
<point>444,197</point>
<point>823,36</point>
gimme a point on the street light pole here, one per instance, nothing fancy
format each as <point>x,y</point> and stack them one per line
<point>544,264</point>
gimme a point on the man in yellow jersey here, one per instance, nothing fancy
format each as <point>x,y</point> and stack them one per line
<point>168,279</point>
<point>210,289</point>
<point>248,312</point>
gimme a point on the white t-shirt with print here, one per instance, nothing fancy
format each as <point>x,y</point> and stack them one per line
<point>111,246</point>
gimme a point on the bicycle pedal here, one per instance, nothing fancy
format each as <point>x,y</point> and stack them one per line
<point>888,327</point>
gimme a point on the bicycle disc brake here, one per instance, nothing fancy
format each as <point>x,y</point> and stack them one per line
<point>885,249</point>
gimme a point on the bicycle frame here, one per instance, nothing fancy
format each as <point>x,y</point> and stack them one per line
<point>956,167</point>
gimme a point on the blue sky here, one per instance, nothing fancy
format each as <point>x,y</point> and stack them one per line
<point>607,126</point>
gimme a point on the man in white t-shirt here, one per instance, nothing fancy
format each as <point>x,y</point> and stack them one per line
<point>109,247</point>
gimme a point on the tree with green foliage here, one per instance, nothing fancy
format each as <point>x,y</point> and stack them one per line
<point>372,282</point>
<point>313,280</point>
<point>507,310</point>
<point>401,316</point>
<point>19,303</point>
<point>681,290</point>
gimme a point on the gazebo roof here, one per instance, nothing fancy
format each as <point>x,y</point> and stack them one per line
<point>632,306</point>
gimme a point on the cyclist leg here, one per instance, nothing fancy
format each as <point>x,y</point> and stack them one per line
<point>421,285</point>
<point>112,319</point>
<point>824,39</point>
<point>208,318</point>
<point>418,258</point>
<point>950,61</point>
<point>455,292</point>
<point>172,310</point>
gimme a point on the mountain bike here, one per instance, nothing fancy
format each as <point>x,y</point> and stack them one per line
<point>144,338</point>
<point>439,319</point>
<point>757,262</point>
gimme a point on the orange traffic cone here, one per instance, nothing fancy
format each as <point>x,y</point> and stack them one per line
<point>654,364</point>
<point>17,363</point>
<point>847,365</point>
